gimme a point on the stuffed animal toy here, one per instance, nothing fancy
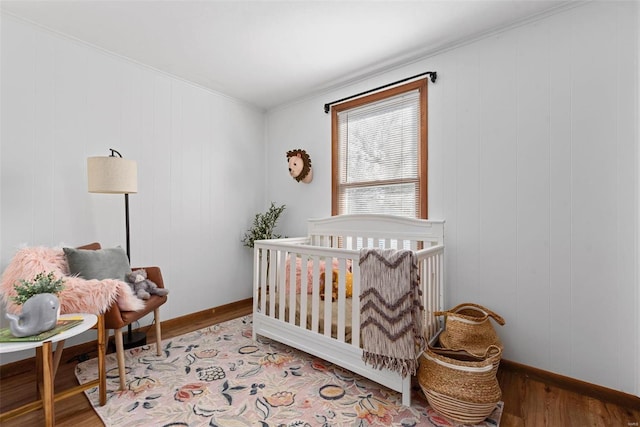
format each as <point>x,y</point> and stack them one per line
<point>143,287</point>
<point>334,288</point>
<point>300,165</point>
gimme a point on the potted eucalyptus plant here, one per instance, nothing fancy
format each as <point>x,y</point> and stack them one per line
<point>264,225</point>
<point>40,305</point>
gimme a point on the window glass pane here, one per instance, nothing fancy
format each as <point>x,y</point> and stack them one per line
<point>380,141</point>
<point>396,199</point>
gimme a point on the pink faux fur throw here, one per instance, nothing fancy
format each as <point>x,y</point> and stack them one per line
<point>78,296</point>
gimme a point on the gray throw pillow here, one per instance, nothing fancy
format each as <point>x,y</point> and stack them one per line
<point>108,263</point>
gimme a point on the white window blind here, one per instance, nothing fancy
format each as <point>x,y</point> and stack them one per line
<point>378,149</point>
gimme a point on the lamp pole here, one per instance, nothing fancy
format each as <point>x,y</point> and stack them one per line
<point>131,339</point>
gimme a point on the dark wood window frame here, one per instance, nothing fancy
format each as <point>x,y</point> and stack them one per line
<point>421,86</point>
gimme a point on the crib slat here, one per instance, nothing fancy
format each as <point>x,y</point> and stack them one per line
<point>429,291</point>
<point>293,284</point>
<point>304,290</point>
<point>348,241</point>
<point>328,284</point>
<point>355,304</point>
<point>271,279</point>
<point>342,293</point>
<point>261,263</point>
<point>438,300</point>
<point>315,295</point>
<point>433,287</point>
<point>280,290</point>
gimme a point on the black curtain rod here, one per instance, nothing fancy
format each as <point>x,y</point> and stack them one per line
<point>432,74</point>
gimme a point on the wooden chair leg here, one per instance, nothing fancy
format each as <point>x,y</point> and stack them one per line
<point>106,340</point>
<point>156,317</point>
<point>120,356</point>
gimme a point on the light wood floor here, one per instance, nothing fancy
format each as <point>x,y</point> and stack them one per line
<point>528,401</point>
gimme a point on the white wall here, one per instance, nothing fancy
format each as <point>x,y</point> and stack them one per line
<point>200,164</point>
<point>533,163</point>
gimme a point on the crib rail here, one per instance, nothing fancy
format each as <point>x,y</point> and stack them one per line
<point>373,228</point>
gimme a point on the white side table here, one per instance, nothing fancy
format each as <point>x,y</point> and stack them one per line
<point>47,365</point>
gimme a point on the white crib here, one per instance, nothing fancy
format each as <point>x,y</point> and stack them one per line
<point>330,330</point>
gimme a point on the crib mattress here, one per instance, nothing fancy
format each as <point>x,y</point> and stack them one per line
<point>321,314</point>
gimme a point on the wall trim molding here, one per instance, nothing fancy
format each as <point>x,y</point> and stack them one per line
<point>571,384</point>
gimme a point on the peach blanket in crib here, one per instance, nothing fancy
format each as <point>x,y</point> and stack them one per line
<point>335,265</point>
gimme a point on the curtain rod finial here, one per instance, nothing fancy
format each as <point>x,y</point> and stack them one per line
<point>114,152</point>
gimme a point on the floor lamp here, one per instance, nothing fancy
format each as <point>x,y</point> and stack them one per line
<point>114,174</point>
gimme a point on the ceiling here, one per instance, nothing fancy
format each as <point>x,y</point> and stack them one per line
<point>269,53</point>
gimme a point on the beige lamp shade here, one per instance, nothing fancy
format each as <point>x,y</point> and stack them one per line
<point>112,174</point>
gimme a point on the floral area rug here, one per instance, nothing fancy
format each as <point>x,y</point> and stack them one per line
<point>219,376</point>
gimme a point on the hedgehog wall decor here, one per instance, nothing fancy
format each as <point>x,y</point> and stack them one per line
<point>300,165</point>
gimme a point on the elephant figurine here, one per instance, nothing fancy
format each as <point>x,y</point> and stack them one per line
<point>39,314</point>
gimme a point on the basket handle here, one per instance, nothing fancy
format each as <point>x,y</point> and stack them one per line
<point>488,312</point>
<point>485,310</point>
<point>492,350</point>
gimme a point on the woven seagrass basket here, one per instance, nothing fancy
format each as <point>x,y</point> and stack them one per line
<point>468,327</point>
<point>460,386</point>
<point>463,355</point>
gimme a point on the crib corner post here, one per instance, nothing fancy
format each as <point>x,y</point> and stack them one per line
<point>406,391</point>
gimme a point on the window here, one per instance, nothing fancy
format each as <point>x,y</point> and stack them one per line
<point>379,144</point>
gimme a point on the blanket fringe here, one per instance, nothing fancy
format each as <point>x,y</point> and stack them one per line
<point>402,366</point>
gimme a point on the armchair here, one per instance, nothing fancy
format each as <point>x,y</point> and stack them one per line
<point>116,319</point>
<point>111,298</point>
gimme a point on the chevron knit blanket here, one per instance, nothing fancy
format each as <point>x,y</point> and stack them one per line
<point>391,310</point>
